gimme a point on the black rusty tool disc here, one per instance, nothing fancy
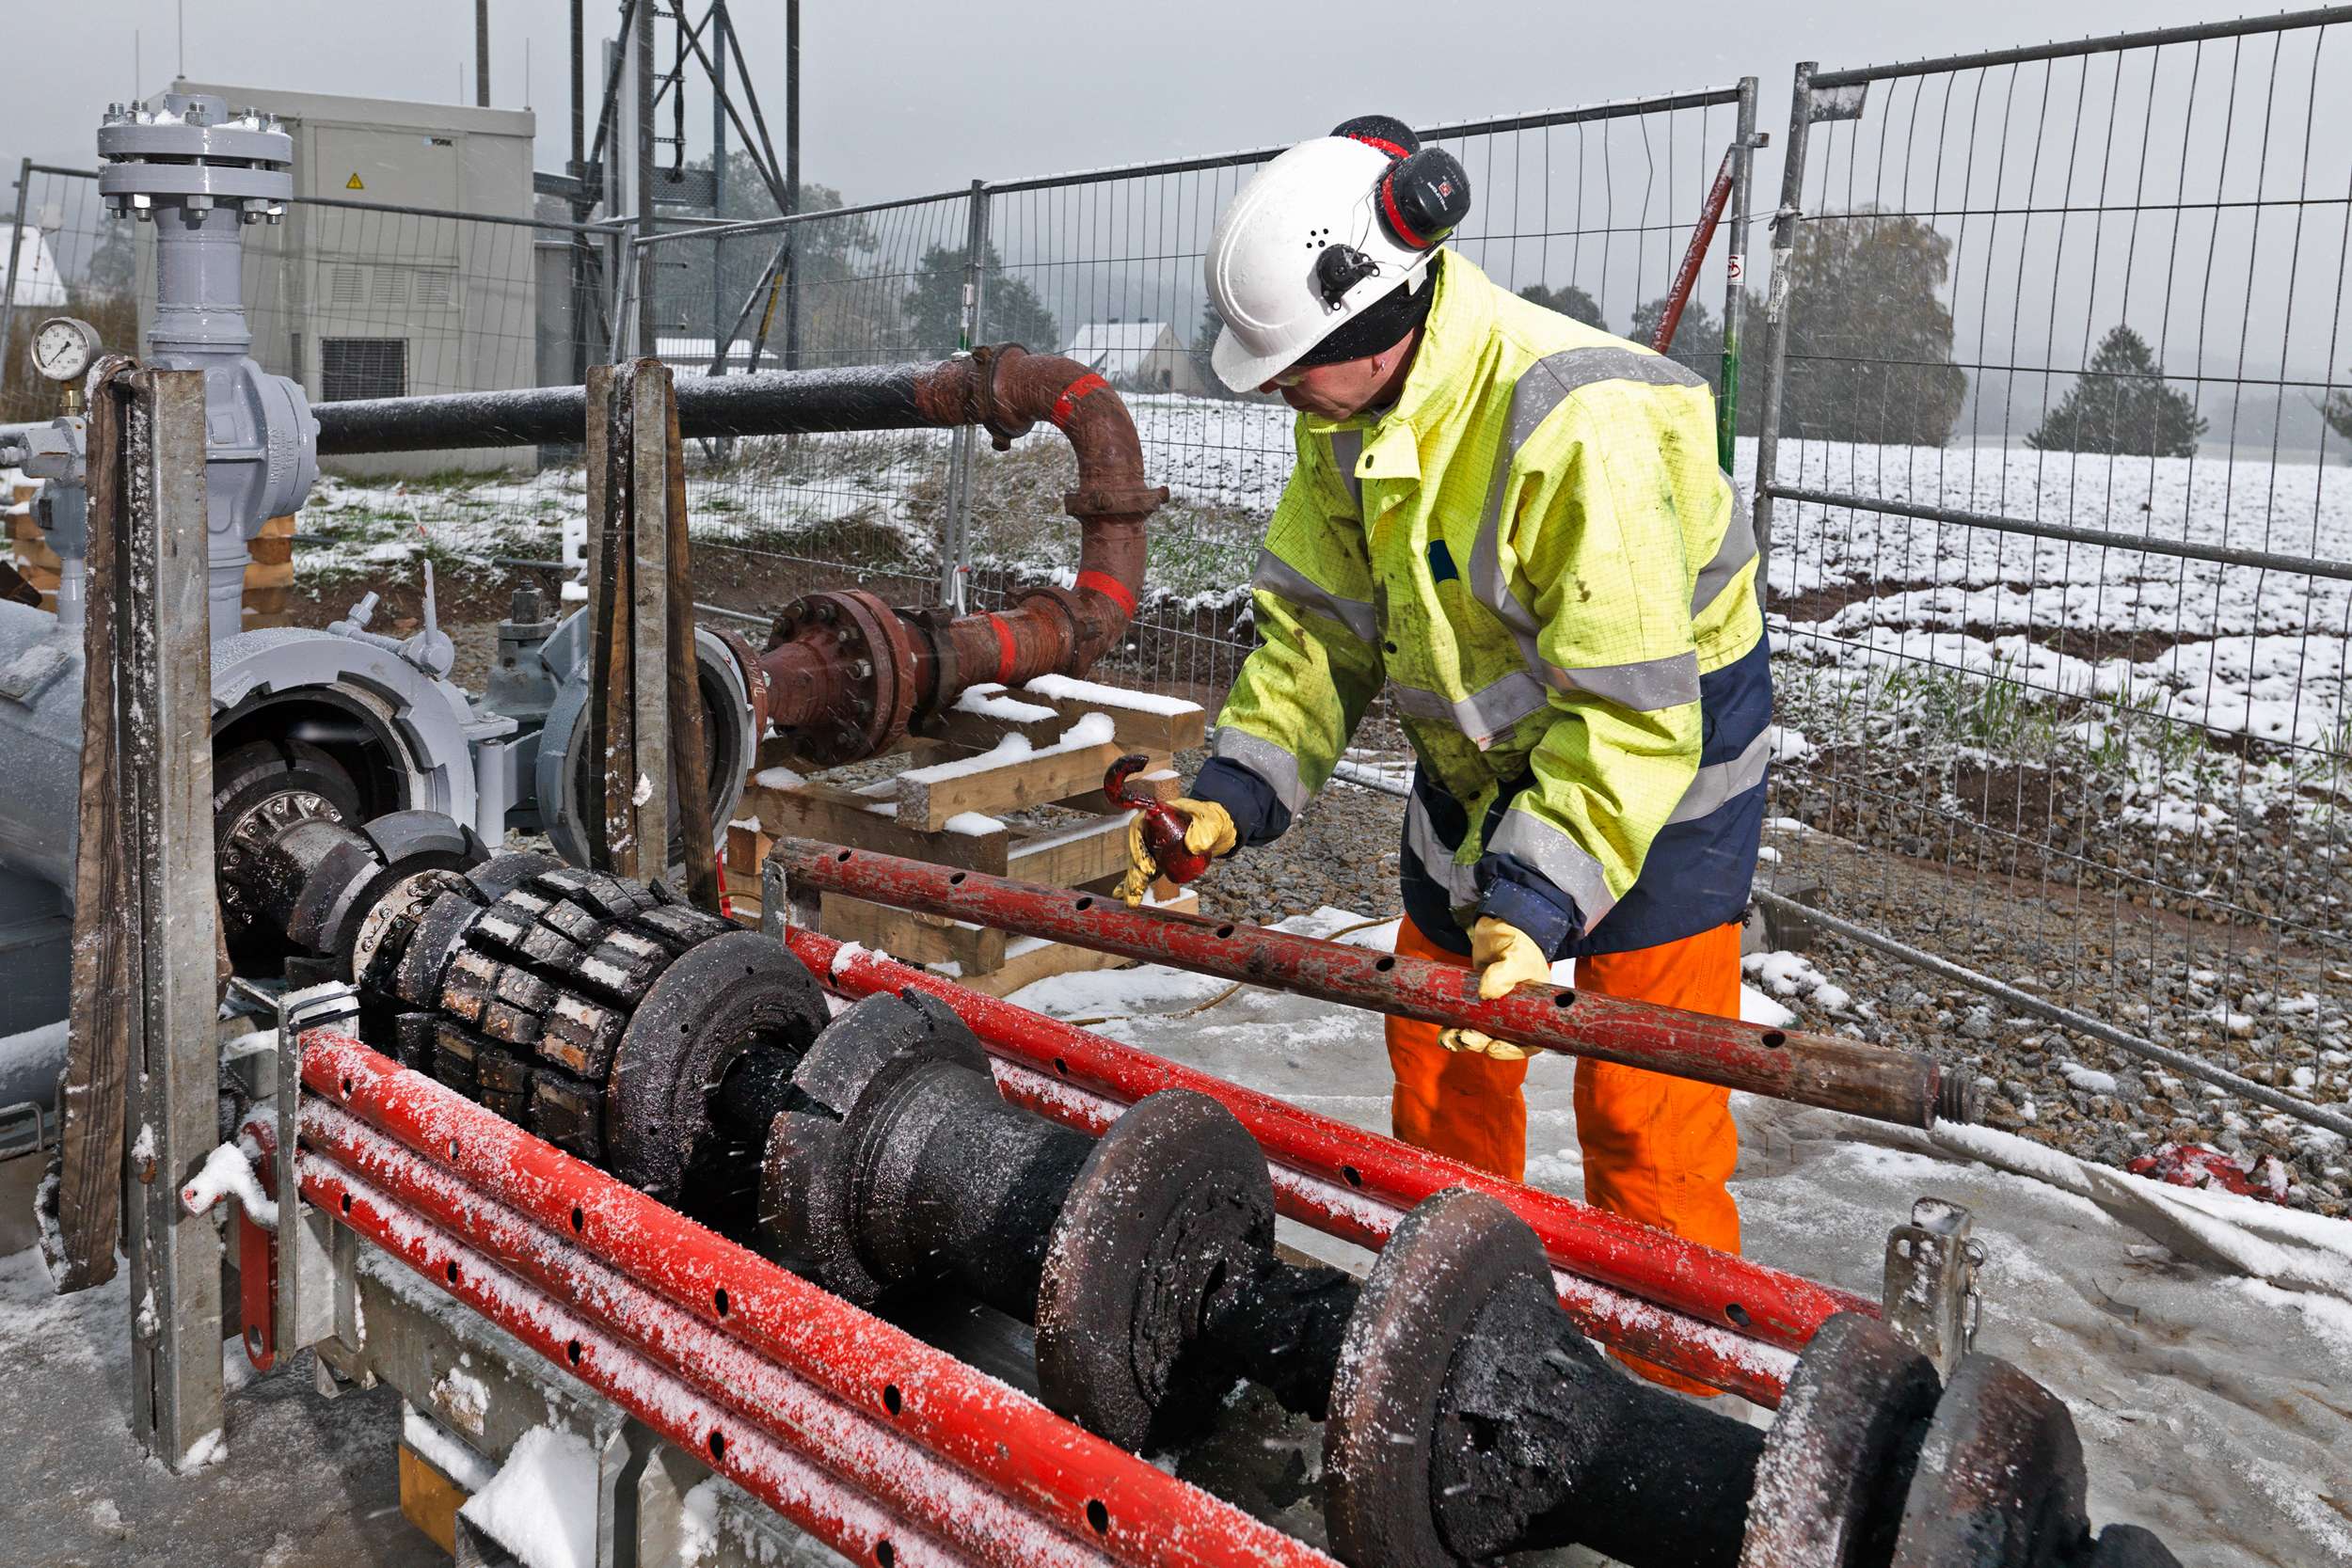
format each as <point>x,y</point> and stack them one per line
<point>1830,1485</point>
<point>804,1210</point>
<point>875,1032</point>
<point>1453,1254</point>
<point>1172,1208</point>
<point>2000,1480</point>
<point>440,931</point>
<point>736,996</point>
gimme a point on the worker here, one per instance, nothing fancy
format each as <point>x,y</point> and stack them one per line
<point>1516,522</point>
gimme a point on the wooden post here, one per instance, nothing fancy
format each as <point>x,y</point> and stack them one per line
<point>146,992</point>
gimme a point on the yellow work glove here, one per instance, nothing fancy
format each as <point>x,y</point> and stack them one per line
<point>1506,958</point>
<point>1208,832</point>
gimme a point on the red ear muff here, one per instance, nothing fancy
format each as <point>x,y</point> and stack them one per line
<point>1424,197</point>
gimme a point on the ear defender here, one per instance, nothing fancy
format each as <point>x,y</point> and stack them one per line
<point>1421,196</point>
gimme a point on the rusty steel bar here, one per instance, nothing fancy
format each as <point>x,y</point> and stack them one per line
<point>1694,254</point>
<point>1836,1074</point>
<point>767,1470</point>
<point>855,1445</point>
<point>1719,1357</point>
<point>1087,1486</point>
<point>1714,1288</point>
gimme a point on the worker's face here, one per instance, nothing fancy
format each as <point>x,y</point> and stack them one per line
<point>1345,389</point>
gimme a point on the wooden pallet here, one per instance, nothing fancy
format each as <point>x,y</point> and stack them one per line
<point>267,580</point>
<point>942,808</point>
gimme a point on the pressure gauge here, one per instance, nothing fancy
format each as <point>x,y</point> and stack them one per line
<point>63,348</point>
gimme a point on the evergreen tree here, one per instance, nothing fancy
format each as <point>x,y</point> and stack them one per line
<point>1204,339</point>
<point>2121,404</point>
<point>1010,312</point>
<point>2337,411</point>
<point>1568,300</point>
<point>1869,342</point>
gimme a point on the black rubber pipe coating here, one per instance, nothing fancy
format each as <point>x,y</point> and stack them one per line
<point>1542,1442</point>
<point>766,402</point>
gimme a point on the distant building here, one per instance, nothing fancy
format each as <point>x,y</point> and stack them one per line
<point>693,356</point>
<point>1136,356</point>
<point>39,285</point>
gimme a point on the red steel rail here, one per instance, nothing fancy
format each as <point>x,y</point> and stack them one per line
<point>1081,1485</point>
<point>1838,1074</point>
<point>1693,1282</point>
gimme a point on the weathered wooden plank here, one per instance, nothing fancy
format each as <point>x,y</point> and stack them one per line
<point>910,937</point>
<point>928,797</point>
<point>837,815</point>
<point>1135,714</point>
<point>1068,856</point>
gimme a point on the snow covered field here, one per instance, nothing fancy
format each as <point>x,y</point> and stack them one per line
<point>2203,1343</point>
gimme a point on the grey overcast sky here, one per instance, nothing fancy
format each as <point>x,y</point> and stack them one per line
<point>916,96</point>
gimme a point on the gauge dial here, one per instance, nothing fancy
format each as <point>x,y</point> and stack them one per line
<point>64,347</point>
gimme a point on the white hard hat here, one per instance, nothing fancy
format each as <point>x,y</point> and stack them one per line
<point>1262,258</point>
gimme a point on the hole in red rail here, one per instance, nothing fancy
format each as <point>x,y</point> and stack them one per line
<point>1385,964</point>
<point>453,1148</point>
<point>450,1273</point>
<point>1353,1177</point>
<point>346,1086</point>
<point>1061,1067</point>
<point>1086,903</point>
<point>956,880</point>
<point>843,856</point>
<point>1099,1516</point>
<point>890,1397</point>
<point>1738,1314</point>
<point>1774,1039</point>
<point>253,1338</point>
<point>1224,930</point>
<point>346,1203</point>
<point>573,1350</point>
<point>1566,998</point>
<point>580,1220</point>
<point>885,1553</point>
<point>719,1299</point>
<point>717,1444</point>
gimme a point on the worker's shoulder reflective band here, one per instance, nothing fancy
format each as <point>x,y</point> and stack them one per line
<point>1276,765</point>
<point>1436,856</point>
<point>1347,446</point>
<point>1280,577</point>
<point>1645,686</point>
<point>1484,713</point>
<point>1552,852</point>
<point>1719,782</point>
<point>1736,550</point>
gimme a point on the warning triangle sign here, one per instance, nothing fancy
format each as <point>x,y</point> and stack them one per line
<point>353,183</point>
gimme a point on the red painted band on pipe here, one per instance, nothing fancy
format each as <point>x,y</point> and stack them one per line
<point>1008,655</point>
<point>1826,1070</point>
<point>1718,1357</point>
<point>858,1447</point>
<point>1779,1309</point>
<point>1112,589</point>
<point>1066,405</point>
<point>1000,1436</point>
<point>801,1491</point>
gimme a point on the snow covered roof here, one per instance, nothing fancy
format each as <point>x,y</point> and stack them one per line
<point>694,353</point>
<point>39,283</point>
<point>1116,349</point>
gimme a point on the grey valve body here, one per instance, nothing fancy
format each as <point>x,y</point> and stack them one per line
<point>199,174</point>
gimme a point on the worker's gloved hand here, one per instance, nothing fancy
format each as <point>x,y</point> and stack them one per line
<point>1208,831</point>
<point>1506,958</point>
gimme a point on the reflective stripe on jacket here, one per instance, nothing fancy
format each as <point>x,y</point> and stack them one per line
<point>1536,553</point>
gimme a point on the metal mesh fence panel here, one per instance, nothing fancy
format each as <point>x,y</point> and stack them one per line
<point>2060,535</point>
<point>1588,210</point>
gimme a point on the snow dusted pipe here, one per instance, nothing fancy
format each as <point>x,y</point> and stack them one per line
<point>1898,1087</point>
<point>847,676</point>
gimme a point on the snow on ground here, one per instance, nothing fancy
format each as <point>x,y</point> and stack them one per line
<point>2201,1343</point>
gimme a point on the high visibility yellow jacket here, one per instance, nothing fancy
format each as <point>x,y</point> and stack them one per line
<point>1536,553</point>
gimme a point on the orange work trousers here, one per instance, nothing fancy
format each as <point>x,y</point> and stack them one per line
<point>1657,1148</point>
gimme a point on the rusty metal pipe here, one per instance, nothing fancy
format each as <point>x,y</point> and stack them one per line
<point>1836,1074</point>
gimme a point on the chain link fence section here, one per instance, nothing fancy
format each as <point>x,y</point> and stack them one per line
<point>2060,542</point>
<point>1587,208</point>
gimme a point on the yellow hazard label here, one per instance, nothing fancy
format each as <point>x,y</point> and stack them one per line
<point>353,183</point>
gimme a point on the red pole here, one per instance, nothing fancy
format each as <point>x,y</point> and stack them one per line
<point>808,1496</point>
<point>1068,1476</point>
<point>1686,277</point>
<point>1719,1357</point>
<point>1716,1288</point>
<point>1811,1069</point>
<point>854,1445</point>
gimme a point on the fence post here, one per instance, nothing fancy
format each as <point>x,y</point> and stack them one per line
<point>1736,274</point>
<point>1776,318</point>
<point>16,248</point>
<point>956,527</point>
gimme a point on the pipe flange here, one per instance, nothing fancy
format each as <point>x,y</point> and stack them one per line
<point>754,676</point>
<point>1835,1465</point>
<point>934,625</point>
<point>1135,500</point>
<point>992,360</point>
<point>872,643</point>
<point>1171,1213</point>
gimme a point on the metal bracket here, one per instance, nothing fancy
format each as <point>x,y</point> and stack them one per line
<point>1931,1295</point>
<point>302,1260</point>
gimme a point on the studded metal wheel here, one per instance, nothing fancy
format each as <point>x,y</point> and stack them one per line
<point>1171,1210</point>
<point>259,790</point>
